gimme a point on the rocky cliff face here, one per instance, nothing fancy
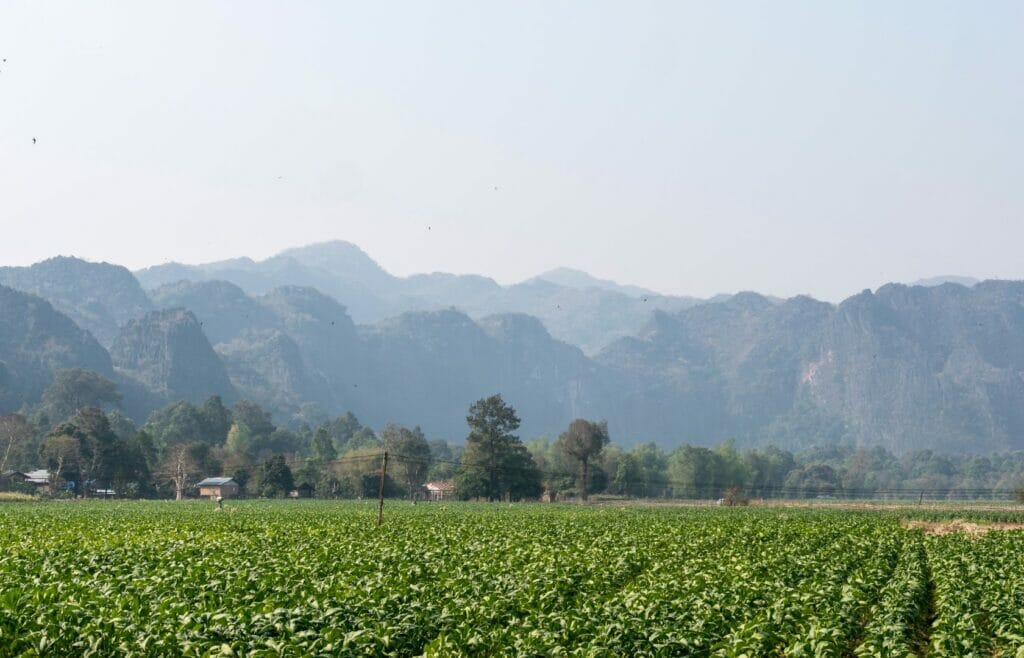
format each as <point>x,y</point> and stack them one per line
<point>906,368</point>
<point>268,367</point>
<point>424,367</point>
<point>99,297</point>
<point>35,341</point>
<point>223,309</point>
<point>168,354</point>
<point>917,367</point>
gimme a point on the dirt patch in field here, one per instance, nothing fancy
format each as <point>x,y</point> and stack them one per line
<point>958,525</point>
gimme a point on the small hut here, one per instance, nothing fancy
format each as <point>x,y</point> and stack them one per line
<point>439,490</point>
<point>214,488</point>
<point>39,478</point>
<point>304,490</point>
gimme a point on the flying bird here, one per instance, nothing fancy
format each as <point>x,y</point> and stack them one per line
<point>33,140</point>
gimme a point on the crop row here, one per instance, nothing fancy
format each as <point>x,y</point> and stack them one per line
<point>316,578</point>
<point>979,593</point>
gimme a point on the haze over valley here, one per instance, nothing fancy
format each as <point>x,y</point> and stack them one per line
<point>324,328</point>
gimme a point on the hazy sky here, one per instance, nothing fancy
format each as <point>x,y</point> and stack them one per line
<point>694,148</point>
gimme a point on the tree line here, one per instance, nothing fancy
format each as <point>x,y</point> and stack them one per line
<point>78,433</point>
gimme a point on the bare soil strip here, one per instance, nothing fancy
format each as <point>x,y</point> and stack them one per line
<point>958,525</point>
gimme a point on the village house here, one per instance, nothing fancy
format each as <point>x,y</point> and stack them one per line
<point>214,488</point>
<point>304,490</point>
<point>439,490</point>
<point>12,480</point>
<point>38,479</point>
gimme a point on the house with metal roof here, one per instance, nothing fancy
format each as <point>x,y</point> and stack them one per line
<point>439,490</point>
<point>220,487</point>
<point>39,479</point>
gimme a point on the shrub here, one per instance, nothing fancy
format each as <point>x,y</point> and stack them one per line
<point>734,497</point>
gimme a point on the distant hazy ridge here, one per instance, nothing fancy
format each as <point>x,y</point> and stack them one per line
<point>906,367</point>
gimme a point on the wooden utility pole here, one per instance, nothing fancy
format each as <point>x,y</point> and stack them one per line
<point>380,504</point>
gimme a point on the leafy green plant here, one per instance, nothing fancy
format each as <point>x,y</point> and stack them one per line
<point>316,578</point>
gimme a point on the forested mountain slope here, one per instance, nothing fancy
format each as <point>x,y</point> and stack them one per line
<point>99,297</point>
<point>35,342</point>
<point>906,367</point>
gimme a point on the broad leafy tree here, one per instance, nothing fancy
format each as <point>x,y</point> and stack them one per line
<point>322,448</point>
<point>410,452</point>
<point>75,388</point>
<point>275,478</point>
<point>583,442</point>
<point>184,422</point>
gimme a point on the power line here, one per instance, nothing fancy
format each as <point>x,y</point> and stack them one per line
<point>707,487</point>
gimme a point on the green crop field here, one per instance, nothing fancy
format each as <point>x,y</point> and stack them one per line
<point>309,578</point>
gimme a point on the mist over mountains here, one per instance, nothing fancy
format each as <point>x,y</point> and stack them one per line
<point>574,307</point>
<point>936,366</point>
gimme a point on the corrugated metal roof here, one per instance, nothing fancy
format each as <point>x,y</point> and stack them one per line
<point>214,482</point>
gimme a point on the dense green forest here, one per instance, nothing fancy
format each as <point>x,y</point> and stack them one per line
<point>78,432</point>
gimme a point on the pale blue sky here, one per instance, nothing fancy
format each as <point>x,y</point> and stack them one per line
<point>694,148</point>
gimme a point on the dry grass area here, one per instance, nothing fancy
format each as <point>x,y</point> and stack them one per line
<point>965,506</point>
<point>958,525</point>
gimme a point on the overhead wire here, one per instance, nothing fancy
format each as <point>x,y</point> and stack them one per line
<point>710,489</point>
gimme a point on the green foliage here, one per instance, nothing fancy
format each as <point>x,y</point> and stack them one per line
<point>322,447</point>
<point>812,480</point>
<point>495,463</point>
<point>583,441</point>
<point>86,451</point>
<point>978,585</point>
<point>342,430</point>
<point>410,452</point>
<point>316,578</point>
<point>275,478</point>
<point>185,422</point>
<point>75,388</point>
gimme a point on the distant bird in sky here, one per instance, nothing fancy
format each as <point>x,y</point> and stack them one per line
<point>428,228</point>
<point>33,140</point>
<point>643,299</point>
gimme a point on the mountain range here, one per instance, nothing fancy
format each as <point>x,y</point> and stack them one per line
<point>938,365</point>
